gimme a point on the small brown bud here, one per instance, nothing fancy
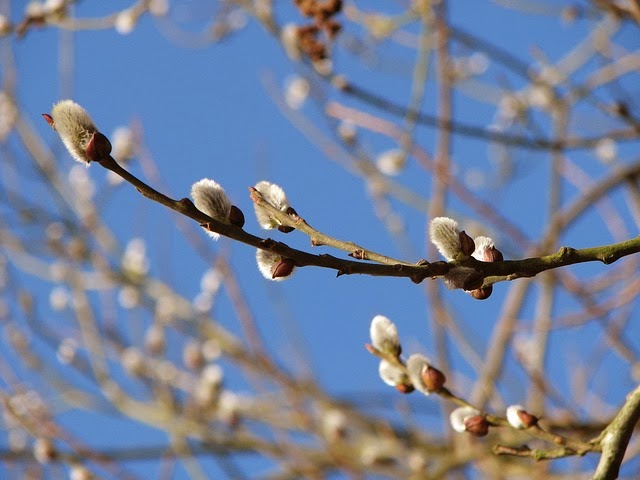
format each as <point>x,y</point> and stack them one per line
<point>99,148</point>
<point>49,120</point>
<point>477,425</point>
<point>292,212</point>
<point>286,228</point>
<point>433,378</point>
<point>621,108</point>
<point>482,293</point>
<point>493,255</point>
<point>236,217</point>
<point>467,244</point>
<point>405,388</point>
<point>283,268</point>
<point>527,419</point>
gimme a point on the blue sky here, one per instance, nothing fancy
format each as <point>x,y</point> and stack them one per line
<point>210,112</point>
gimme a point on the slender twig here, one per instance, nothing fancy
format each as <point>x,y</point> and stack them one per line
<point>530,143</point>
<point>319,238</point>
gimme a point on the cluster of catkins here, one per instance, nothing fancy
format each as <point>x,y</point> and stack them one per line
<point>455,245</point>
<point>87,144</point>
<point>417,373</point>
<point>210,198</point>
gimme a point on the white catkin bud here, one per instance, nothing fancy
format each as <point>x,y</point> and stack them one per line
<point>229,406</point>
<point>134,258</point>
<point>133,361</point>
<point>129,297</point>
<point>209,197</point>
<point>347,132</point>
<point>275,196</point>
<point>391,162</point>
<point>513,418</point>
<point>444,234</point>
<point>34,9</point>
<point>272,266</point>
<point>59,298</point>
<point>460,415</point>
<point>482,244</point>
<point>67,351</point>
<point>80,472</point>
<point>416,365</point>
<point>379,451</point>
<point>290,41</point>
<point>606,150</point>
<point>44,451</point>
<point>53,6</point>
<point>296,92</point>
<point>384,335</point>
<point>390,374</point>
<point>334,424</point>
<point>207,388</point>
<point>125,22</point>
<point>154,339</point>
<point>75,127</point>
<point>211,281</point>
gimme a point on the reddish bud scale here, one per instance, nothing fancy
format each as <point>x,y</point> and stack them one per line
<point>467,244</point>
<point>405,388</point>
<point>283,268</point>
<point>527,419</point>
<point>482,293</point>
<point>49,120</point>
<point>477,425</point>
<point>99,148</point>
<point>236,217</point>
<point>433,379</point>
<point>493,255</point>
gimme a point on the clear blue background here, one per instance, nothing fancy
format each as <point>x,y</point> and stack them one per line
<point>210,112</point>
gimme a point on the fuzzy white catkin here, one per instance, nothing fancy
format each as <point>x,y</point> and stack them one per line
<point>267,262</point>
<point>273,195</point>
<point>416,364</point>
<point>513,418</point>
<point>389,373</point>
<point>460,415</point>
<point>75,127</point>
<point>482,244</point>
<point>79,472</point>
<point>290,40</point>
<point>210,198</point>
<point>384,335</point>
<point>125,22</point>
<point>444,234</point>
<point>391,162</point>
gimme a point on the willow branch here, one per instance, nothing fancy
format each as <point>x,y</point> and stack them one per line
<point>616,436</point>
<point>493,272</point>
<point>186,207</point>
